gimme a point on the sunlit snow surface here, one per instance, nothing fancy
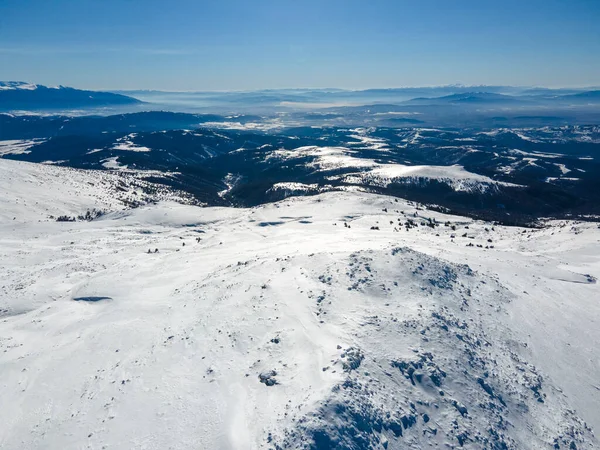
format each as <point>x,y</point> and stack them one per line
<point>125,144</point>
<point>17,147</point>
<point>307,323</point>
<point>373,173</point>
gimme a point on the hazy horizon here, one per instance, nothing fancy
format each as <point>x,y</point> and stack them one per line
<point>326,88</point>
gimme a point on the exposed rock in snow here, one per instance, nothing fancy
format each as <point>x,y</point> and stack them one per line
<point>279,327</point>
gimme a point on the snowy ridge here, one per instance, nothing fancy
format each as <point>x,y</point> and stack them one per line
<point>455,176</point>
<point>18,147</point>
<point>345,319</point>
<point>327,159</point>
<point>125,144</point>
<point>17,85</point>
<point>32,192</point>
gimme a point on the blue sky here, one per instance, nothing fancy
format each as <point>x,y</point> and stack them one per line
<point>245,44</point>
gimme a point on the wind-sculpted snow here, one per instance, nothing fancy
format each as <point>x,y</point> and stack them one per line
<point>436,365</point>
<point>343,320</point>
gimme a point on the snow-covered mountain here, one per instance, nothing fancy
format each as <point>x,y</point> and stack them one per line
<point>19,95</point>
<point>343,320</point>
<point>20,85</point>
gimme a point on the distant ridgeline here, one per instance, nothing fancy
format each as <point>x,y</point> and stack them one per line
<point>18,95</point>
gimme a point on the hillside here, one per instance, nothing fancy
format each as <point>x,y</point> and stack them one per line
<point>510,175</point>
<point>342,320</point>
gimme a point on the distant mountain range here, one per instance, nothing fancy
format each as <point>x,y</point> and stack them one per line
<point>482,107</point>
<point>467,97</point>
<point>586,95</point>
<point>433,102</point>
<point>491,98</point>
<point>19,95</point>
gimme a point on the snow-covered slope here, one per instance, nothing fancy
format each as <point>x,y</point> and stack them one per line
<point>17,147</point>
<point>34,192</point>
<point>372,173</point>
<point>344,320</point>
